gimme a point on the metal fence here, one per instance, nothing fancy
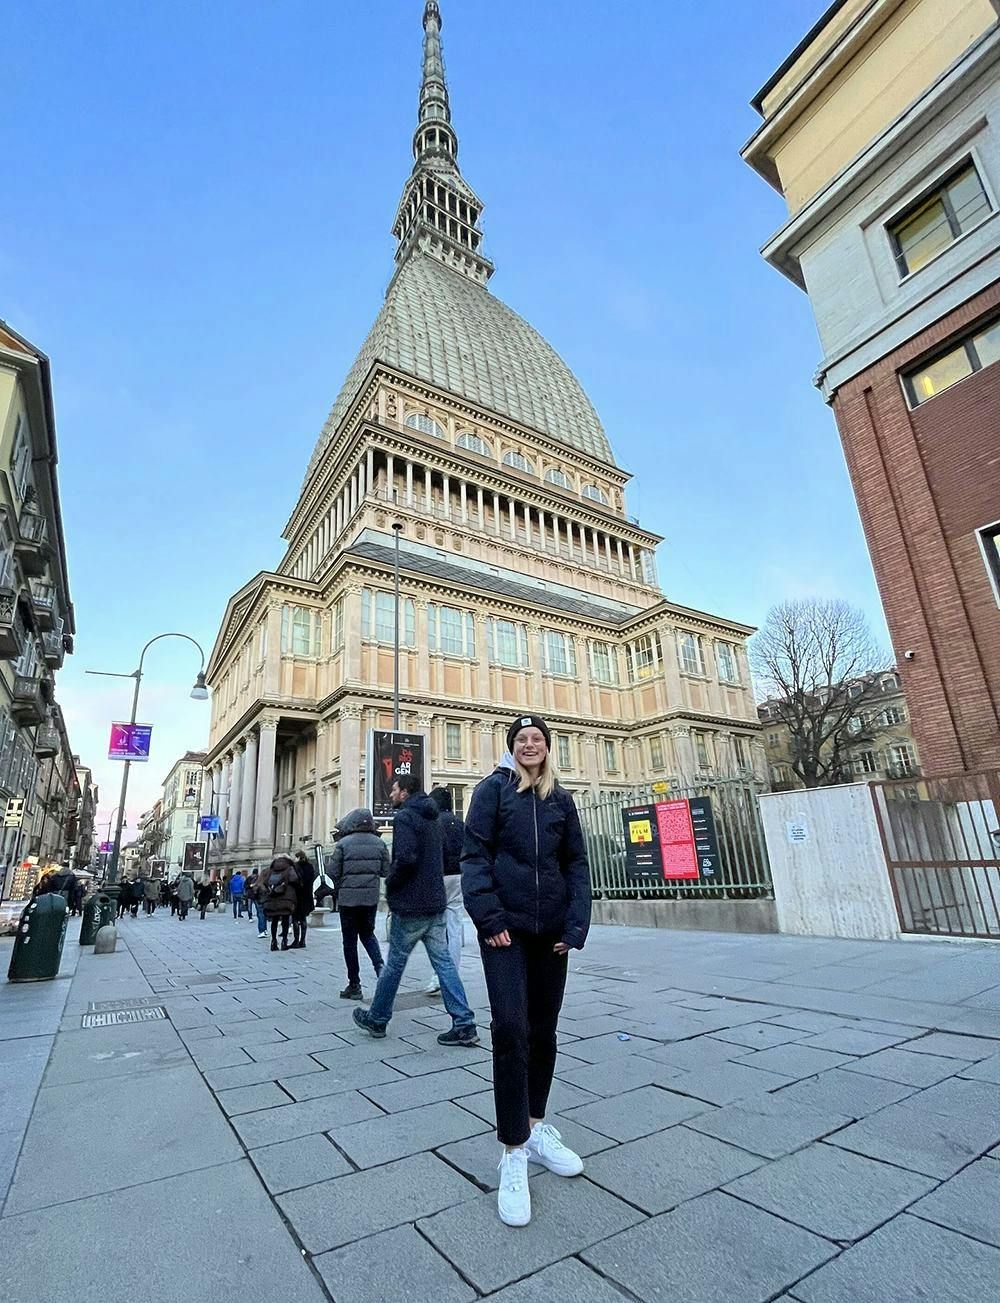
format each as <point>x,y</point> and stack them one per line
<point>744,872</point>
<point>942,847</point>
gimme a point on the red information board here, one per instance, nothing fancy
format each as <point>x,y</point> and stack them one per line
<point>677,845</point>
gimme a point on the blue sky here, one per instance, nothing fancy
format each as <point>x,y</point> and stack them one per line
<point>196,230</point>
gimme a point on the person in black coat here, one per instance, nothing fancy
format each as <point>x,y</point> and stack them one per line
<point>415,893</point>
<point>527,889</point>
<point>306,874</point>
<point>359,862</point>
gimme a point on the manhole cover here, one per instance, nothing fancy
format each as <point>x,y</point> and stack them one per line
<point>112,1006</point>
<point>116,1017</point>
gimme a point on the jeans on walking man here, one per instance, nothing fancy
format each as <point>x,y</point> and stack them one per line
<point>415,893</point>
<point>452,836</point>
<point>237,884</point>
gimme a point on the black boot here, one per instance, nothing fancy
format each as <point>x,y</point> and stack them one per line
<point>352,991</point>
<point>274,945</point>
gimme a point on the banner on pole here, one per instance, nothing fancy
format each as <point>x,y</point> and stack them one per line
<point>130,742</point>
<point>194,857</point>
<point>391,754</point>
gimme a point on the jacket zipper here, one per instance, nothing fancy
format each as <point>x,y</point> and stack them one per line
<point>538,901</point>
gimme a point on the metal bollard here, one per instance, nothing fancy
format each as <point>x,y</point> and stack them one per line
<point>106,940</point>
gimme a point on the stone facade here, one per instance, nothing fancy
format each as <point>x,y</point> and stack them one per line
<point>176,821</point>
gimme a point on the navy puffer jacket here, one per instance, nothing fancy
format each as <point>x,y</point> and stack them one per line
<point>415,884</point>
<point>524,862</point>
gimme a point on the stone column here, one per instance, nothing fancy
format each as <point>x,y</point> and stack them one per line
<point>409,482</point>
<point>352,634</point>
<point>446,496</point>
<point>428,487</point>
<point>370,469</point>
<point>527,524</point>
<point>590,768</point>
<point>272,661</point>
<point>482,658</point>
<point>249,790</point>
<point>535,664</point>
<point>487,757</point>
<point>225,787</point>
<point>322,765</point>
<point>497,523</point>
<point>423,649</point>
<point>480,508</point>
<point>684,753</point>
<point>235,799</point>
<point>264,797</point>
<point>425,725</point>
<point>350,758</point>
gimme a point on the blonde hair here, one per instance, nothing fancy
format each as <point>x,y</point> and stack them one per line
<point>547,781</point>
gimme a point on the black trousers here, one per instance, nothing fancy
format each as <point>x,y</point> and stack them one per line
<point>284,920</point>
<point>357,922</point>
<point>525,981</point>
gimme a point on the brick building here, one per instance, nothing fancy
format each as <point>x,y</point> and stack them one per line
<point>880,130</point>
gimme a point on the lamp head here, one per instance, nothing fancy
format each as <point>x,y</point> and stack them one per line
<point>200,692</point>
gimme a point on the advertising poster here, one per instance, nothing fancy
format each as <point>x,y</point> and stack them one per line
<point>642,844</point>
<point>391,754</point>
<point>194,857</point>
<point>130,741</point>
<point>671,841</point>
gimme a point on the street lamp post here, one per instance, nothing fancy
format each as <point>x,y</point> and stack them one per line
<point>397,527</point>
<point>199,692</point>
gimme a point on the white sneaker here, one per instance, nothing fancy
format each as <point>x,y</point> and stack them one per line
<point>513,1197</point>
<point>545,1146</point>
<point>433,987</point>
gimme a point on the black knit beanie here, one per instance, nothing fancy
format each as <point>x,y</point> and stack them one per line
<point>528,721</point>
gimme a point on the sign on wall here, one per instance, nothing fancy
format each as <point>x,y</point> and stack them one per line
<point>391,754</point>
<point>194,857</point>
<point>671,841</point>
<point>130,741</point>
<point>210,823</point>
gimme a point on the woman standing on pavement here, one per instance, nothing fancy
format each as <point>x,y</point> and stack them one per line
<point>279,897</point>
<point>304,903</point>
<point>527,889</point>
<point>359,862</point>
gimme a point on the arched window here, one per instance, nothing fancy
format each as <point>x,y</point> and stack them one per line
<point>519,462</point>
<point>474,444</point>
<point>425,424</point>
<point>558,477</point>
<point>595,494</point>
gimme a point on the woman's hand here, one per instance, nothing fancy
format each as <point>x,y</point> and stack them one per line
<point>501,939</point>
<point>561,948</point>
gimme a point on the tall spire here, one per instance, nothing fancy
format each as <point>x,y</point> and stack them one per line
<point>439,212</point>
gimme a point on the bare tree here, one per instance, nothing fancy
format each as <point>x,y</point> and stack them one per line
<point>817,662</point>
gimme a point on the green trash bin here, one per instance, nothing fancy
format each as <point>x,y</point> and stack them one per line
<point>39,941</point>
<point>98,909</point>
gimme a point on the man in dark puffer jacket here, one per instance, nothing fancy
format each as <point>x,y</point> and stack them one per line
<point>359,862</point>
<point>416,896</point>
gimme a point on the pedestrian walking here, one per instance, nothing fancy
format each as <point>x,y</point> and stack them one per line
<point>236,885</point>
<point>174,901</point>
<point>77,895</point>
<point>359,862</point>
<point>279,897</point>
<point>151,894</point>
<point>185,895</point>
<point>204,897</point>
<point>253,889</point>
<point>527,889</point>
<point>452,834</point>
<point>138,896</point>
<point>306,874</point>
<point>416,897</point>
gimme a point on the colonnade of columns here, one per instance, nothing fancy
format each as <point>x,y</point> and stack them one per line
<point>240,787</point>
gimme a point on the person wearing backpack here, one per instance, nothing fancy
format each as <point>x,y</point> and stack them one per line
<point>280,882</point>
<point>359,862</point>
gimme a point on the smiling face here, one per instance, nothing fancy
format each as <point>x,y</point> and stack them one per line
<point>530,749</point>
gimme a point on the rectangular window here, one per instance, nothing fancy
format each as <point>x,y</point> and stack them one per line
<point>451,631</point>
<point>957,363</point>
<point>457,799</point>
<point>641,659</point>
<point>700,742</point>
<point>740,751</point>
<point>562,751</point>
<point>603,662</point>
<point>378,619</point>
<point>20,462</point>
<point>298,631</point>
<point>337,627</point>
<point>869,762</point>
<point>903,757</point>
<point>453,741</point>
<point>656,753</point>
<point>690,654</point>
<point>773,739</point>
<point>558,653</point>
<point>610,758</point>
<point>938,219</point>
<point>725,655</point>
<point>989,545</point>
<point>508,644</point>
<point>893,715</point>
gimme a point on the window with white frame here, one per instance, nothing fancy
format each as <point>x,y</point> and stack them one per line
<point>337,625</point>
<point>559,478</point>
<point>603,662</point>
<point>378,618</point>
<point>20,461</point>
<point>453,741</point>
<point>27,663</point>
<point>903,755</point>
<point>656,753</point>
<point>690,654</point>
<point>594,493</point>
<point>457,792</point>
<point>558,653</point>
<point>519,462</point>
<point>299,631</point>
<point>725,655</point>
<point>893,715</point>
<point>868,762</point>
<point>641,659</point>
<point>425,424</point>
<point>474,443</point>
<point>701,752</point>
<point>7,575</point>
<point>610,757</point>
<point>450,631</point>
<point>739,751</point>
<point>562,751</point>
<point>507,644</point>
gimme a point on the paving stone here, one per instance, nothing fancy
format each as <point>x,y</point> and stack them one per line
<point>250,1098</point>
<point>950,1046</point>
<point>249,1074</point>
<point>636,1113</point>
<point>760,1035</point>
<point>606,1078</point>
<point>968,1203</point>
<point>839,1195</point>
<point>418,1064</point>
<point>191,1036</point>
<point>959,1097</point>
<point>478,1156</point>
<point>659,1172</point>
<point>905,1067</point>
<point>99,1054</point>
<point>930,1143</point>
<point>412,1092</point>
<point>985,1070</point>
<point>722,1083</point>
<point>850,1040</point>
<point>693,1055</point>
<point>888,1265</point>
<point>568,1279</point>
<point>795,1062</point>
<point>314,1084</point>
<point>301,1045</point>
<point>807,1021</point>
<point>396,1135</point>
<point>768,1124</point>
<point>599,1049</point>
<point>849,1093</point>
<point>269,1126</point>
<point>887,1028</point>
<point>340,1211</point>
<point>302,1161</point>
<point>394,1264</point>
<point>710,1250</point>
<point>567,1216</point>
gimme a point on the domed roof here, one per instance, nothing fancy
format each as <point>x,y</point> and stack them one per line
<point>442,327</point>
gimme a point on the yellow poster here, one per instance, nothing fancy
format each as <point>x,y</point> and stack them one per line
<point>640,831</point>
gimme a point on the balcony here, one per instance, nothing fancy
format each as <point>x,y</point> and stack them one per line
<point>31,547</point>
<point>903,769</point>
<point>43,605</point>
<point>11,631</point>
<point>27,704</point>
<point>47,742</point>
<point>53,650</point>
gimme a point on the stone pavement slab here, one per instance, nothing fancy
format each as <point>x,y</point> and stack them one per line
<point>397,1135</point>
<point>598,1049</point>
<point>768,1125</point>
<point>959,1097</point>
<point>348,1208</point>
<point>984,1070</point>
<point>271,1125</point>
<point>661,1171</point>
<point>394,1264</point>
<point>568,1280</point>
<point>968,1203</point>
<point>567,1216</point>
<point>695,1054</point>
<point>848,1093</point>
<point>760,1035</point>
<point>711,1250</point>
<point>247,1254</point>
<point>923,1142</point>
<point>905,1067</point>
<point>412,1092</point>
<point>251,1074</point>
<point>636,1113</point>
<point>292,1164</point>
<point>251,1098</point>
<point>853,1041</point>
<point>795,1062</point>
<point>887,1265</point>
<point>606,1079</point>
<point>722,1083</point>
<point>335,1082</point>
<point>101,1053</point>
<point>950,1046</point>
<point>839,1195</point>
